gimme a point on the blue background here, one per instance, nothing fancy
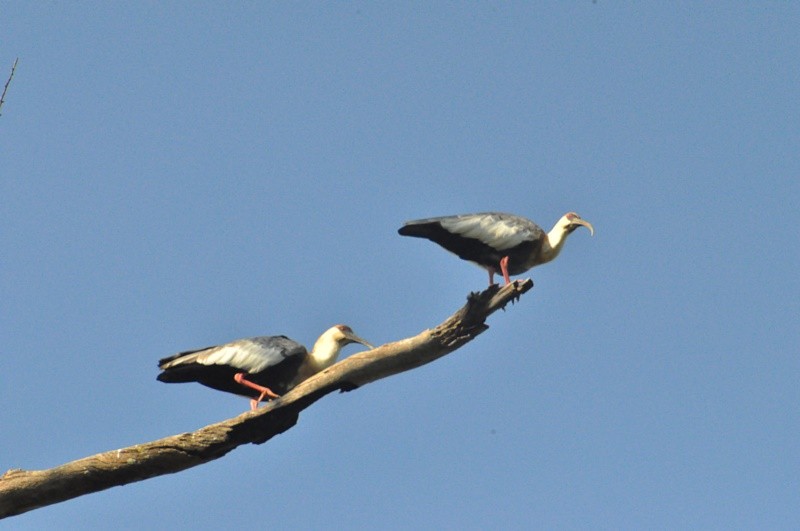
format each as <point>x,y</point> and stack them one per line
<point>180,175</point>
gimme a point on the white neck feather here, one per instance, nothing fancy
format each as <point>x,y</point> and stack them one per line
<point>325,351</point>
<point>555,240</point>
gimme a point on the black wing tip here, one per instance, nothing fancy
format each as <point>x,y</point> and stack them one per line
<point>180,374</point>
<point>416,228</point>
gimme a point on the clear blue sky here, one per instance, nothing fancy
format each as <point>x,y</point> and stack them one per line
<point>176,176</point>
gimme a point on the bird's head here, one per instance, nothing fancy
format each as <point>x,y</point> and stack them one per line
<point>556,237</point>
<point>572,221</point>
<point>327,347</point>
<point>344,335</point>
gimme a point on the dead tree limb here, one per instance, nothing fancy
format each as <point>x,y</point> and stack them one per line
<point>25,490</point>
<point>5,89</point>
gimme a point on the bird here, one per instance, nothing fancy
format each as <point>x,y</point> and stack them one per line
<point>498,242</point>
<point>257,367</point>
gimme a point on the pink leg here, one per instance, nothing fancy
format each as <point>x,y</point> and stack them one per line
<point>265,391</point>
<point>491,277</point>
<point>504,269</point>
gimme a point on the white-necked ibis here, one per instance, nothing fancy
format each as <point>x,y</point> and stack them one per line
<point>500,243</point>
<point>258,367</point>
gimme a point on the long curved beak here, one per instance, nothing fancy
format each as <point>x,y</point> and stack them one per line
<point>585,223</point>
<point>355,339</point>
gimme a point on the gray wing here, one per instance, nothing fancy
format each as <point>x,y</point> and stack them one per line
<point>250,355</point>
<point>495,229</point>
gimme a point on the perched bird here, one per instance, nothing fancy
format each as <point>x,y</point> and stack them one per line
<point>497,242</point>
<point>258,367</point>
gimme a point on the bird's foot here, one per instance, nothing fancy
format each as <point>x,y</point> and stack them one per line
<point>265,391</point>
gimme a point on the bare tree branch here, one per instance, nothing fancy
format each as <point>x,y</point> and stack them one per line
<point>5,89</point>
<point>25,490</point>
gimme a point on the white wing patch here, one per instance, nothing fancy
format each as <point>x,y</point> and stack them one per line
<point>245,354</point>
<point>495,231</point>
